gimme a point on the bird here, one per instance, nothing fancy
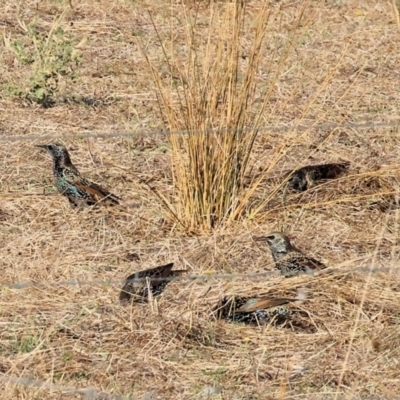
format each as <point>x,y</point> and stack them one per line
<point>306,177</point>
<point>80,191</point>
<point>288,259</point>
<point>137,285</point>
<point>253,310</point>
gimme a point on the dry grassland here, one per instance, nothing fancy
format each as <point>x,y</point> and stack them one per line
<point>343,66</point>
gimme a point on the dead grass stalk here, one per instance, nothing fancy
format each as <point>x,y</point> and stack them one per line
<point>216,89</point>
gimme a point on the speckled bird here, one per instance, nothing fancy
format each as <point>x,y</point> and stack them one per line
<point>253,310</point>
<point>136,286</point>
<point>308,176</point>
<point>288,259</point>
<point>70,183</point>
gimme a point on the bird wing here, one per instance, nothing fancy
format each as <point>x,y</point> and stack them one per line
<point>162,271</point>
<point>134,286</point>
<point>135,282</point>
<point>334,170</point>
<point>95,190</point>
<point>84,187</point>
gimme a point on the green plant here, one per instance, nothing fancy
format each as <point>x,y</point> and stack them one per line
<point>25,344</point>
<point>50,55</point>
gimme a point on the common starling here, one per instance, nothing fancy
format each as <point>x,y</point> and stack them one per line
<point>69,182</point>
<point>253,310</point>
<point>136,287</point>
<point>307,177</point>
<point>289,260</point>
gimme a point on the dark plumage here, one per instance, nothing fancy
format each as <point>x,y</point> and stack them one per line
<point>80,191</point>
<point>306,177</point>
<point>253,310</point>
<point>289,260</point>
<point>136,287</point>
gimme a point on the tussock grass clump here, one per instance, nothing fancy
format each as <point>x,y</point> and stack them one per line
<point>215,96</point>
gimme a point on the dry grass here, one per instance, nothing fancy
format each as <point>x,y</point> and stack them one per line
<point>346,342</point>
<point>215,96</point>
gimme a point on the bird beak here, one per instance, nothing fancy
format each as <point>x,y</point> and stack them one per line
<point>259,238</point>
<point>42,146</point>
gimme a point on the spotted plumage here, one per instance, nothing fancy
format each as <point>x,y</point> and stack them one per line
<point>307,177</point>
<point>136,286</point>
<point>289,260</point>
<point>253,310</point>
<point>70,183</point>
